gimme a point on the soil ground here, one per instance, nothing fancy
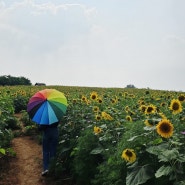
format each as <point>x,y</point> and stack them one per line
<point>26,167</point>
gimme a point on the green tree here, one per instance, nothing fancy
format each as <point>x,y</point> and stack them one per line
<point>11,80</point>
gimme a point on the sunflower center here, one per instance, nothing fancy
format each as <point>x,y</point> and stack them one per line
<point>100,101</point>
<point>128,153</point>
<point>150,109</point>
<point>181,98</point>
<point>175,106</point>
<point>165,127</point>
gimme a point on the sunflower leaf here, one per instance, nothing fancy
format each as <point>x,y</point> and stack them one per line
<point>132,138</point>
<point>156,150</point>
<point>163,170</point>
<point>168,155</point>
<point>139,175</point>
<point>157,141</point>
<point>96,151</point>
<point>149,128</point>
<point>180,183</point>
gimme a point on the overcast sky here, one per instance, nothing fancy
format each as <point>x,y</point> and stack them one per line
<point>99,43</point>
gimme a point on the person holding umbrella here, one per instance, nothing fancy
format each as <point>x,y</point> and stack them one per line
<point>49,144</point>
<point>46,108</point>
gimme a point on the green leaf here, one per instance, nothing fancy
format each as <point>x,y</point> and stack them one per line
<point>180,183</point>
<point>169,155</point>
<point>156,150</point>
<point>139,175</point>
<point>132,138</point>
<point>163,170</point>
<point>181,158</point>
<point>96,151</point>
<point>149,128</point>
<point>157,141</point>
<point>2,150</point>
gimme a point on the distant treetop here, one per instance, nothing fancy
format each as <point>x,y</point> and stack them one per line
<point>11,80</point>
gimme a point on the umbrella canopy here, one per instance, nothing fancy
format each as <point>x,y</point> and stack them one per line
<point>47,106</point>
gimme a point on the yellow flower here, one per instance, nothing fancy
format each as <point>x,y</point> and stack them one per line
<point>127,109</point>
<point>181,97</point>
<point>142,108</point>
<point>165,128</point>
<point>97,130</point>
<point>150,109</point>
<point>74,101</point>
<point>95,108</point>
<point>175,106</point>
<point>129,155</point>
<point>83,98</point>
<point>129,118</point>
<point>125,94</point>
<point>113,101</point>
<point>106,116</point>
<point>97,117</point>
<point>94,95</point>
<point>162,104</point>
<point>99,100</point>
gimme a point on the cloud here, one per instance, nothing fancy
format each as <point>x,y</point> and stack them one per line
<point>2,5</point>
<point>42,27</point>
<point>104,43</point>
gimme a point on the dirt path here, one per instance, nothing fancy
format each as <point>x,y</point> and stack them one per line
<point>29,161</point>
<point>26,167</point>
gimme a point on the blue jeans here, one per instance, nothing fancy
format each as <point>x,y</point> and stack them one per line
<point>49,145</point>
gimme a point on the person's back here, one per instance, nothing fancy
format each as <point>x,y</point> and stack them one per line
<point>49,144</point>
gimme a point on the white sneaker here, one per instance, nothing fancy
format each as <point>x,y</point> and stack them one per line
<point>44,173</point>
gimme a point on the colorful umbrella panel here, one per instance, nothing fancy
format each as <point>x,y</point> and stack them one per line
<point>47,106</point>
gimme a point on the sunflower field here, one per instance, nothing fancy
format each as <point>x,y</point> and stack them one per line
<point>110,136</point>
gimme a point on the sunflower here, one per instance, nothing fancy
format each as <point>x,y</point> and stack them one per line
<point>165,128</point>
<point>142,108</point>
<point>175,106</point>
<point>98,117</point>
<point>99,100</point>
<point>83,98</point>
<point>125,94</point>
<point>150,109</point>
<point>127,109</point>
<point>181,97</point>
<point>94,95</point>
<point>96,109</point>
<point>129,118</point>
<point>141,102</point>
<point>163,104</point>
<point>74,101</point>
<point>106,116</point>
<point>132,96</point>
<point>97,130</point>
<point>129,155</point>
<point>113,101</point>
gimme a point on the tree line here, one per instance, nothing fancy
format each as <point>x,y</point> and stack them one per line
<point>11,80</point>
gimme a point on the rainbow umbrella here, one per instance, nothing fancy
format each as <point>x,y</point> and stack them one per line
<point>47,106</point>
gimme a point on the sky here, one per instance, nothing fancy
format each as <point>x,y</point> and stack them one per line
<point>94,43</point>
